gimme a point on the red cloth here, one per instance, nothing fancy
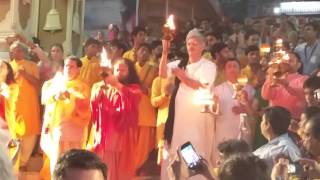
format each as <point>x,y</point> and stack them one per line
<point>115,115</point>
<point>2,108</point>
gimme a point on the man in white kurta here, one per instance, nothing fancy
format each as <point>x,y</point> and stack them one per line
<point>189,123</point>
<point>227,123</point>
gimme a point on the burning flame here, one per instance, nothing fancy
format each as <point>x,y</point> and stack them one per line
<point>203,97</point>
<point>170,22</point>
<point>279,42</point>
<point>242,80</point>
<point>265,48</point>
<point>105,62</point>
<point>59,85</point>
<point>59,82</point>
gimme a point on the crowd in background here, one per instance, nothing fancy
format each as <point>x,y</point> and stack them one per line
<point>122,99</point>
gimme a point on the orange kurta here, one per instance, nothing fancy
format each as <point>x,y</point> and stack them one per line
<point>147,113</point>
<point>90,70</point>
<point>28,109</point>
<point>160,101</point>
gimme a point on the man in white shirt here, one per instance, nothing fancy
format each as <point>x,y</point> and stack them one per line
<point>274,127</point>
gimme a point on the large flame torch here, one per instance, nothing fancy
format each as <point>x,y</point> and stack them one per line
<point>169,29</point>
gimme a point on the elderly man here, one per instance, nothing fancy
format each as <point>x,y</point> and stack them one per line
<point>28,109</point>
<point>67,113</point>
<point>185,121</point>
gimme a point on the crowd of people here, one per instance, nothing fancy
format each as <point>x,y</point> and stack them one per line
<point>260,80</point>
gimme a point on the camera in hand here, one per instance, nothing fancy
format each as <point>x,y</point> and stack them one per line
<point>190,156</point>
<point>295,168</point>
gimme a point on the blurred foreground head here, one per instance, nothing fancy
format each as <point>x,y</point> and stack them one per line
<point>81,165</point>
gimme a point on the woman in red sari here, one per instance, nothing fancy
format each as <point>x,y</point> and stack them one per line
<point>114,103</point>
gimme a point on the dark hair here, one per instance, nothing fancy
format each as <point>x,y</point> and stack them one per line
<point>154,44</point>
<point>216,48</point>
<point>78,159</point>
<point>243,166</point>
<point>138,29</point>
<point>315,126</point>
<point>232,60</point>
<point>250,33</point>
<point>312,83</point>
<point>10,75</point>
<point>251,49</point>
<point>310,111</point>
<point>58,45</point>
<point>300,70</point>
<point>118,44</point>
<point>132,77</point>
<point>233,146</point>
<point>279,119</point>
<point>217,35</point>
<point>91,41</point>
<point>75,59</point>
<point>314,25</point>
<point>146,45</point>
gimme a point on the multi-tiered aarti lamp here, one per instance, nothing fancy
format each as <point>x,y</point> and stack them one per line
<point>279,61</point>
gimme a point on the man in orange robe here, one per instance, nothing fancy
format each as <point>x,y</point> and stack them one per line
<point>147,71</point>
<point>28,109</point>
<point>90,69</point>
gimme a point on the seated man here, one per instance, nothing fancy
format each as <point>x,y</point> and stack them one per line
<point>274,127</point>
<point>311,143</point>
<point>80,165</point>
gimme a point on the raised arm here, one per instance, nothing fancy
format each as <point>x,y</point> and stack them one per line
<point>164,59</point>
